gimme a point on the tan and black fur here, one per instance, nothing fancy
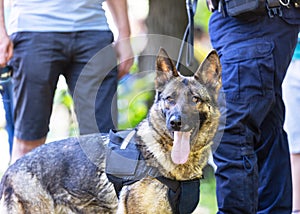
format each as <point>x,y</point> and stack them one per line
<point>60,177</point>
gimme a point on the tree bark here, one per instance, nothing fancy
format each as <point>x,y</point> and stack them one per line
<point>166,24</point>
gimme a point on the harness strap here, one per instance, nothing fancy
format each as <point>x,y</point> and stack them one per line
<point>173,193</point>
<point>183,195</point>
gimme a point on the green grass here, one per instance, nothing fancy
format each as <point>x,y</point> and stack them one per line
<point>208,190</point>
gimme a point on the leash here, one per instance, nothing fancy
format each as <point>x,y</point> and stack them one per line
<point>188,35</point>
<point>6,94</point>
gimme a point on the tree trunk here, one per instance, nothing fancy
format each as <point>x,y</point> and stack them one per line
<point>166,23</point>
<point>167,17</point>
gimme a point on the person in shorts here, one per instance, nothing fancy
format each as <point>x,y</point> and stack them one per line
<point>73,39</point>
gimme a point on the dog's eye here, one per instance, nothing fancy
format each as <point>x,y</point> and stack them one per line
<point>196,99</point>
<point>170,99</point>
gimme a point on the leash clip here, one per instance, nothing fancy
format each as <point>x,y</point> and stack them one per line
<point>272,12</point>
<point>274,8</point>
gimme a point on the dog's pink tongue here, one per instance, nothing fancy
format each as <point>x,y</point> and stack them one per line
<point>181,147</point>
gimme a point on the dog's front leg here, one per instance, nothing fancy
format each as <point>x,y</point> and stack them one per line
<point>146,196</point>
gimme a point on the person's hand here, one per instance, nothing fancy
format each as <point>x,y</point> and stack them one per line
<point>6,49</point>
<point>125,56</point>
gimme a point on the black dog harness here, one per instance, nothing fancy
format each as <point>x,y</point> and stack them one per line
<point>126,165</point>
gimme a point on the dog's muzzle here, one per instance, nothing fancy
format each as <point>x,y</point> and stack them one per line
<point>175,122</point>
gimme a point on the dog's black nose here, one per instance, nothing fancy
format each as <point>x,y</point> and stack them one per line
<point>175,122</point>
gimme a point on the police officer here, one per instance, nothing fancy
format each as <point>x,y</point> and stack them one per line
<point>255,44</point>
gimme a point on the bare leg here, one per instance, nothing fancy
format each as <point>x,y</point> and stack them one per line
<point>295,162</point>
<point>21,147</point>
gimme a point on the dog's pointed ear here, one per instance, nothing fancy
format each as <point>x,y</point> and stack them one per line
<point>165,69</point>
<point>209,72</point>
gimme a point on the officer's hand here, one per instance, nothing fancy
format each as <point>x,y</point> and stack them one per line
<point>125,56</point>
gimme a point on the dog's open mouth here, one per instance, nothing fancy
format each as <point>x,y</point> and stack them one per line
<point>181,147</point>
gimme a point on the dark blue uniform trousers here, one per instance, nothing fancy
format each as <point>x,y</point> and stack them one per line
<point>252,157</point>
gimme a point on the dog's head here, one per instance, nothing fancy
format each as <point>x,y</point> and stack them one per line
<point>187,104</point>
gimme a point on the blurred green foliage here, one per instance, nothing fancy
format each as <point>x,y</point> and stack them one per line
<point>135,95</point>
<point>63,97</point>
<point>208,190</point>
<point>202,15</point>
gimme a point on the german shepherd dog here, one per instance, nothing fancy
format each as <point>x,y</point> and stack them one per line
<point>175,139</point>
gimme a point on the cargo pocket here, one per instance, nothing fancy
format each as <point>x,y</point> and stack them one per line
<point>248,80</point>
<point>248,71</point>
